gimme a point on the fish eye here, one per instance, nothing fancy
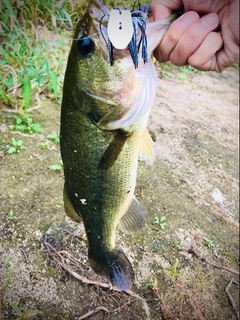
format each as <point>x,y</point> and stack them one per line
<point>85,47</point>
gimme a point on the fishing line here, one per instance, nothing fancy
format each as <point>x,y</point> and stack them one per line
<point>135,4</point>
<point>100,24</point>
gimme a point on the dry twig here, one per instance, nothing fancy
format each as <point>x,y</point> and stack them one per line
<point>232,281</point>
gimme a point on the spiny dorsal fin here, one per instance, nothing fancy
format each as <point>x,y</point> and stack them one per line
<point>146,148</point>
<point>133,220</point>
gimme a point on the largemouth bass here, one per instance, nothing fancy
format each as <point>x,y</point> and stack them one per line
<point>104,114</point>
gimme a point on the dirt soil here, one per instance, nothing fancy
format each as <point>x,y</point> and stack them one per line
<point>188,252</point>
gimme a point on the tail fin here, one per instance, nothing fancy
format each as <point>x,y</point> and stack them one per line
<point>115,266</point>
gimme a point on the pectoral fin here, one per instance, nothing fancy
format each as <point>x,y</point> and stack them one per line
<point>69,208</point>
<point>146,148</point>
<point>133,220</point>
<point>114,149</point>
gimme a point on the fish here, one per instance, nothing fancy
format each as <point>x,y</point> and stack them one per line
<point>104,115</point>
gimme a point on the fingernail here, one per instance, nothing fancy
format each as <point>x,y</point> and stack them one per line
<point>210,20</point>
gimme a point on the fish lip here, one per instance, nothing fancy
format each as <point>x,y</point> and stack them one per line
<point>100,98</point>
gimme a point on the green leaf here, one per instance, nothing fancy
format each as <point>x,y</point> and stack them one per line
<point>18,120</point>
<point>47,66</point>
<point>30,313</point>
<point>59,63</point>
<point>27,92</point>
<point>14,307</point>
<point>54,137</point>
<point>162,226</point>
<point>156,220</point>
<point>11,150</point>
<point>55,167</point>
<point>54,82</point>
<point>3,95</point>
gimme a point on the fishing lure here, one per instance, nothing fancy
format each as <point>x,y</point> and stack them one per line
<point>139,21</point>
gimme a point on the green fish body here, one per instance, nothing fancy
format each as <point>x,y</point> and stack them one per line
<point>103,130</point>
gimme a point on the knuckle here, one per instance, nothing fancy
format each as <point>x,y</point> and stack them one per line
<point>173,36</point>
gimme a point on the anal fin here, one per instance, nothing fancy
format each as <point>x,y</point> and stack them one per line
<point>146,148</point>
<point>133,220</point>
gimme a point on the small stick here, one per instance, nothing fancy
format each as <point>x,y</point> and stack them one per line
<point>92,312</point>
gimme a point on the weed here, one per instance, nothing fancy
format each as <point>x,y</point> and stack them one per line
<point>11,215</point>
<point>54,137</point>
<point>23,314</point>
<point>56,166</point>
<point>183,71</point>
<point>27,61</point>
<point>45,144</point>
<point>173,272</point>
<point>17,146</point>
<point>179,245</point>
<point>164,74</point>
<point>160,221</point>
<point>161,86</point>
<point>25,124</point>
<point>189,301</point>
<point>209,242</point>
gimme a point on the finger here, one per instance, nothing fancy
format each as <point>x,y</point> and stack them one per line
<point>159,11</point>
<point>226,57</point>
<point>174,33</point>
<point>204,58</point>
<point>192,38</point>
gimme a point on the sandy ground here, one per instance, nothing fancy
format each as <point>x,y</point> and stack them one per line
<point>191,192</point>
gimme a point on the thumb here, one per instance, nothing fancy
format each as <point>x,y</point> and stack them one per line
<point>159,11</point>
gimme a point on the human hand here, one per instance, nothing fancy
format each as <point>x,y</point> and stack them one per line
<point>191,39</point>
